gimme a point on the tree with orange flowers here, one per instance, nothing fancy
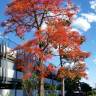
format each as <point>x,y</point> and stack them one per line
<point>28,15</point>
<point>72,58</point>
<point>67,44</point>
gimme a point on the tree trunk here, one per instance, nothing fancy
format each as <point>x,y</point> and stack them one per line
<point>63,87</point>
<point>30,93</point>
<point>41,90</point>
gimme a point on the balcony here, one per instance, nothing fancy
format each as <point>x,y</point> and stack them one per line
<point>10,75</point>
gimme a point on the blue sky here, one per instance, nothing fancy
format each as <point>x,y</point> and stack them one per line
<point>86,24</point>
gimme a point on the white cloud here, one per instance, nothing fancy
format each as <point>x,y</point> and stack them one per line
<point>90,82</point>
<point>94,60</point>
<point>93,4</point>
<point>44,26</point>
<point>74,29</point>
<point>81,24</point>
<point>91,17</point>
<point>84,21</point>
<point>77,30</point>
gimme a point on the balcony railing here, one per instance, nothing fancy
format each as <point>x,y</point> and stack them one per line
<point>6,46</point>
<point>10,75</point>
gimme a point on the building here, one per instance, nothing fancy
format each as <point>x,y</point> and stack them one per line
<point>10,78</point>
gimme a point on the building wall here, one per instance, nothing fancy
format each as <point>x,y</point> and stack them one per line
<point>8,75</point>
<point>7,70</point>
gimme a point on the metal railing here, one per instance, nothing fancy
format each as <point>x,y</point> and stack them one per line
<point>7,61</point>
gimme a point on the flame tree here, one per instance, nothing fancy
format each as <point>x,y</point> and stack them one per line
<point>25,15</point>
<point>66,44</point>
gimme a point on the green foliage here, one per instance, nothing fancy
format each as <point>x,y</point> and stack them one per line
<point>30,84</point>
<point>86,88</point>
<point>50,87</point>
<point>92,93</point>
<point>71,85</point>
<point>52,94</point>
<point>58,87</point>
